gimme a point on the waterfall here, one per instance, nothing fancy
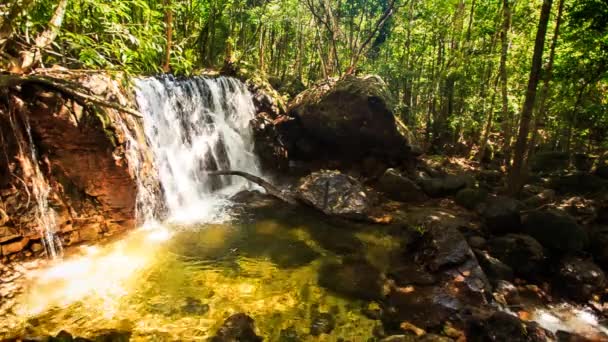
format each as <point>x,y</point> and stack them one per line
<point>45,215</point>
<point>194,125</point>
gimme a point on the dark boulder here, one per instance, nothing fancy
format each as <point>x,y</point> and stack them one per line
<point>349,119</point>
<point>556,231</point>
<point>549,161</point>
<point>502,326</point>
<point>601,169</point>
<point>335,194</point>
<point>470,198</point>
<point>521,252</point>
<point>400,188</point>
<point>445,186</point>
<point>502,215</point>
<point>599,245</point>
<point>494,269</point>
<point>579,183</point>
<point>354,278</point>
<point>237,328</point>
<point>579,279</point>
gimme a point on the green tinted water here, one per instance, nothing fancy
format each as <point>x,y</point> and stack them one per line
<point>180,283</point>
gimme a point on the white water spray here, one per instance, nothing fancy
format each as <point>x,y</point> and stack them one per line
<point>193,126</point>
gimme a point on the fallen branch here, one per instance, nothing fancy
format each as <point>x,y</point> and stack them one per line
<point>15,80</point>
<point>270,189</point>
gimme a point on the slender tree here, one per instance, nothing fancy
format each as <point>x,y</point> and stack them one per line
<point>516,176</point>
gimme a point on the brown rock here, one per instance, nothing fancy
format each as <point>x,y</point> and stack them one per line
<point>14,247</point>
<point>8,234</point>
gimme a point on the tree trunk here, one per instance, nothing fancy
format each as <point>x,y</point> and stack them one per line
<point>504,43</point>
<point>544,94</point>
<point>516,177</point>
<point>169,35</point>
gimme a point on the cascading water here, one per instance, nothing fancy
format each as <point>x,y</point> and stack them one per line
<point>45,216</point>
<point>193,126</point>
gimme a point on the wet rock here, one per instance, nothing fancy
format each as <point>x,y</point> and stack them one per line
<point>579,279</point>
<point>400,188</point>
<point>502,326</point>
<point>412,274</point>
<point>565,336</point>
<point>372,311</point>
<point>238,327</point>
<point>502,215</point>
<point>471,198</point>
<point>194,306</point>
<point>543,197</point>
<point>477,241</point>
<point>335,194</point>
<point>506,293</point>
<point>494,269</point>
<point>8,234</point>
<point>350,118</point>
<point>62,336</point>
<point>354,278</point>
<point>521,252</point>
<point>322,323</point>
<point>549,161</point>
<point>285,253</point>
<point>556,231</point>
<point>460,282</point>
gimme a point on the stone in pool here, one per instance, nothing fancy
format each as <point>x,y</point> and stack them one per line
<point>238,327</point>
<point>352,278</point>
<point>323,323</point>
<point>194,306</point>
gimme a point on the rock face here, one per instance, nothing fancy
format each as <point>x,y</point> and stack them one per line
<point>555,230</point>
<point>347,119</point>
<point>335,194</point>
<point>83,158</point>
<point>238,327</point>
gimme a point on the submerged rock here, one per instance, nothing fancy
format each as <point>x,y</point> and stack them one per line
<point>335,194</point>
<point>579,279</point>
<point>556,231</point>
<point>237,328</point>
<point>354,278</point>
<point>322,323</point>
<point>194,306</point>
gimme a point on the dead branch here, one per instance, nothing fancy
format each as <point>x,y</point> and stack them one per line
<point>270,189</point>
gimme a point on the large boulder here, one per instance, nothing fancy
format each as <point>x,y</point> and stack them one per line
<point>556,231</point>
<point>347,119</point>
<point>521,252</point>
<point>447,185</point>
<point>400,188</point>
<point>579,279</point>
<point>502,215</point>
<point>549,161</point>
<point>578,183</point>
<point>335,194</point>
<point>501,326</point>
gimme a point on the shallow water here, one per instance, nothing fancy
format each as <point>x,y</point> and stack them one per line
<point>180,283</point>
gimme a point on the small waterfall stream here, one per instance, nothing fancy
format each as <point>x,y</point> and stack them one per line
<point>196,125</point>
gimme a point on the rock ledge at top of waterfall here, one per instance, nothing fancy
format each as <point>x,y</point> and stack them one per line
<point>349,119</point>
